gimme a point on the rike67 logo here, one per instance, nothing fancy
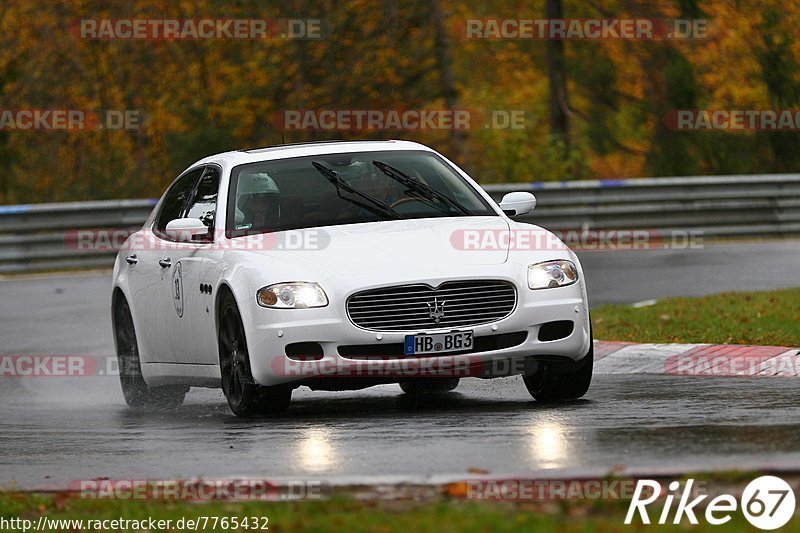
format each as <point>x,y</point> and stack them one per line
<point>767,502</point>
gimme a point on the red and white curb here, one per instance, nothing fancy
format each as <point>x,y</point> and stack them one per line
<point>719,360</point>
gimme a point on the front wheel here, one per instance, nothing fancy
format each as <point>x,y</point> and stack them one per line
<point>246,398</point>
<point>561,381</point>
<point>136,392</point>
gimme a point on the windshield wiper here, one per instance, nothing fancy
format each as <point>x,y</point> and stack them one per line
<point>422,189</point>
<point>377,206</point>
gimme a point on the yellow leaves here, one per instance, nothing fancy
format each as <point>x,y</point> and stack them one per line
<point>458,489</point>
<point>376,54</point>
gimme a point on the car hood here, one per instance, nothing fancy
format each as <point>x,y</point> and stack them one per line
<point>357,249</point>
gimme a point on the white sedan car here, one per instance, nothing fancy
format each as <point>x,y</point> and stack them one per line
<point>339,266</point>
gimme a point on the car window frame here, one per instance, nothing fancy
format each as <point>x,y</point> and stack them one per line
<point>193,196</point>
<point>154,227</point>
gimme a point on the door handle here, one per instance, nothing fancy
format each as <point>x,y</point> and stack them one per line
<point>165,263</point>
<point>131,259</point>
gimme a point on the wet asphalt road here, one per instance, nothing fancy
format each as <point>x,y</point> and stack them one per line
<point>56,430</point>
<point>642,422</point>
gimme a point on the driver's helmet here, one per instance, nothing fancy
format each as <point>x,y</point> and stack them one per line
<point>257,196</point>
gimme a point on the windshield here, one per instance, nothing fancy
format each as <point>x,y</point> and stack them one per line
<point>335,189</point>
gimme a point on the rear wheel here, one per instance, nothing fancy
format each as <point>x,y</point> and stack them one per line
<point>136,392</point>
<point>245,397</point>
<point>429,385</point>
<point>561,381</point>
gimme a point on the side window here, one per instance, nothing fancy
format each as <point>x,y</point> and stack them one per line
<point>204,203</point>
<point>175,200</point>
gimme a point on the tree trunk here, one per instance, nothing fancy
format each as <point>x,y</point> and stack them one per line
<point>557,102</point>
<point>444,63</point>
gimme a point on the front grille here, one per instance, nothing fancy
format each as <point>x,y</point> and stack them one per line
<point>416,307</point>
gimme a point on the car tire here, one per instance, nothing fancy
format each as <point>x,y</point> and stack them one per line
<point>553,381</point>
<point>136,392</point>
<point>246,398</point>
<point>429,385</point>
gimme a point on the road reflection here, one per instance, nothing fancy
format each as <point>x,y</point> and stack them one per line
<point>317,453</point>
<point>548,445</point>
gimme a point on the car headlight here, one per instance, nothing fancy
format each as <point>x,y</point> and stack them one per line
<point>551,274</point>
<point>293,295</point>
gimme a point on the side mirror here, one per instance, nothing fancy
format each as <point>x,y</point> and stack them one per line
<point>186,229</point>
<point>515,204</point>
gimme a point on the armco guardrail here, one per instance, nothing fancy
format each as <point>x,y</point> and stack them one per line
<point>38,236</point>
<point>716,205</point>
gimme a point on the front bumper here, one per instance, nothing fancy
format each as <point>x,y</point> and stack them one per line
<point>272,330</point>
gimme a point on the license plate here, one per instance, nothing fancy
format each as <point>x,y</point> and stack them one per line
<point>423,343</point>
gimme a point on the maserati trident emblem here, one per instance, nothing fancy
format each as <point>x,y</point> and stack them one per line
<point>436,311</point>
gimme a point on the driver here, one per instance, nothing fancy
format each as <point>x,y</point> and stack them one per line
<point>258,201</point>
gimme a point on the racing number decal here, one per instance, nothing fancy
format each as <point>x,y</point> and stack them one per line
<point>177,288</point>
